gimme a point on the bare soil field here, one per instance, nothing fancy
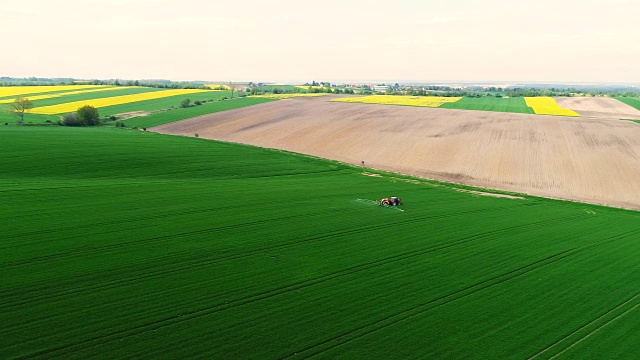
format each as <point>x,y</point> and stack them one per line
<point>599,107</point>
<point>582,159</point>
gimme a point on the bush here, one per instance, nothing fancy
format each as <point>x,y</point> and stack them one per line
<point>185,103</point>
<point>197,135</point>
<point>197,102</point>
<point>224,98</point>
<point>112,118</point>
<point>120,124</point>
<point>70,119</point>
<point>88,116</point>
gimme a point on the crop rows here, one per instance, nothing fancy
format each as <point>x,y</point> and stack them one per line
<point>162,246</point>
<point>13,91</point>
<point>69,98</point>
<point>67,93</point>
<point>112,101</point>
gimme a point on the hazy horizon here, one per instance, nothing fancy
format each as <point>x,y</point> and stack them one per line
<point>570,42</point>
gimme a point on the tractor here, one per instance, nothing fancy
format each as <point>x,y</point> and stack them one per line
<point>391,201</point>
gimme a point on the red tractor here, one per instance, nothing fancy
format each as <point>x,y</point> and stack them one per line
<point>391,201</point>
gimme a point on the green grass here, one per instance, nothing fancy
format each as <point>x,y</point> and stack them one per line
<point>105,112</point>
<point>41,93</point>
<point>135,244</point>
<point>163,103</point>
<point>39,119</point>
<point>281,87</point>
<point>185,113</point>
<point>490,103</point>
<point>11,119</point>
<point>93,95</point>
<point>631,101</point>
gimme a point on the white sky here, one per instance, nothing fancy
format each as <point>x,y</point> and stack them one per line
<point>250,40</point>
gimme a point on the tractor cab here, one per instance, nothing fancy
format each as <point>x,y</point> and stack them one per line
<point>390,201</point>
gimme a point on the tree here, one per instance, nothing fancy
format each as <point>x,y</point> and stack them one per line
<point>231,87</point>
<point>19,106</point>
<point>88,116</point>
<point>185,103</point>
<point>235,87</point>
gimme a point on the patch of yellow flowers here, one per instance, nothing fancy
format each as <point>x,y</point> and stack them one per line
<point>16,91</point>
<point>110,101</point>
<point>545,105</point>
<point>309,86</point>
<point>50,96</point>
<point>217,86</point>
<point>425,101</point>
<point>287,96</point>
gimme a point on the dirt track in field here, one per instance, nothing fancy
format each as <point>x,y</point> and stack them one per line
<point>599,107</point>
<point>582,159</point>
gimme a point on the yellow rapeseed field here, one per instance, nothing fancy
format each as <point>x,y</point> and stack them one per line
<point>287,96</point>
<point>110,101</point>
<point>545,105</point>
<point>214,86</point>
<point>50,96</point>
<point>25,90</point>
<point>306,87</point>
<point>426,101</point>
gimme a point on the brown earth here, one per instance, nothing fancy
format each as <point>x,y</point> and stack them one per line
<point>131,115</point>
<point>599,107</point>
<point>582,159</point>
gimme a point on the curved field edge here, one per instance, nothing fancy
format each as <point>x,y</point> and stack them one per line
<point>178,114</point>
<point>631,101</point>
<point>173,246</point>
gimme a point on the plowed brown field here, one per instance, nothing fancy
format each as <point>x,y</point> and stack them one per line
<point>583,159</point>
<point>599,107</point>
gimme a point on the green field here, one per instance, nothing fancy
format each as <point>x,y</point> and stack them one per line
<point>146,106</point>
<point>40,93</point>
<point>185,113</point>
<point>631,101</point>
<point>162,103</point>
<point>291,88</point>
<point>38,118</point>
<point>10,119</point>
<point>489,103</point>
<point>130,244</point>
<point>93,95</point>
